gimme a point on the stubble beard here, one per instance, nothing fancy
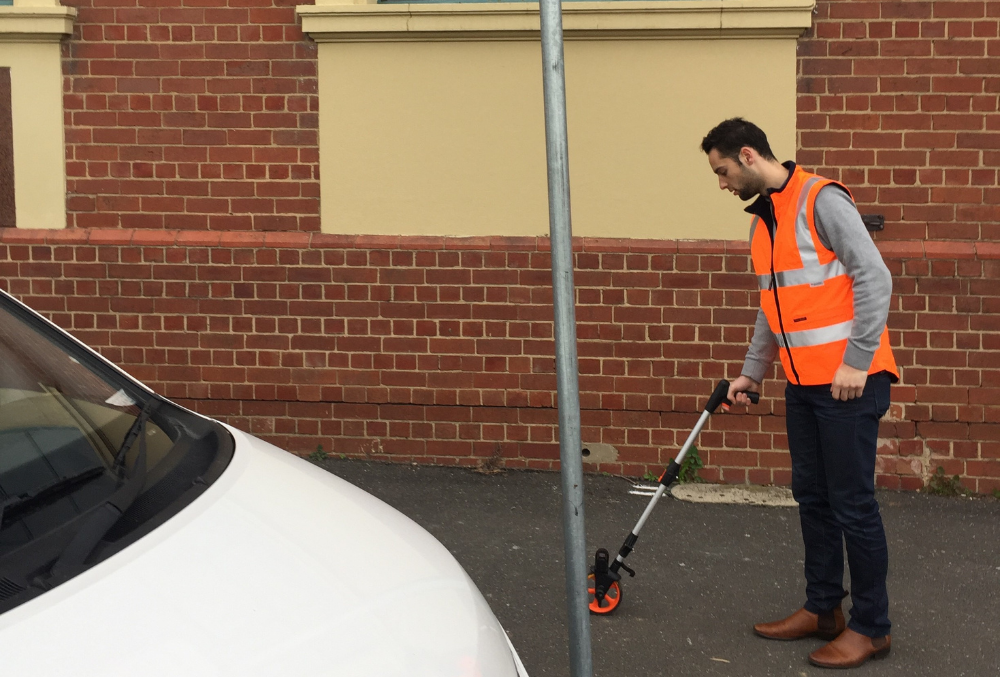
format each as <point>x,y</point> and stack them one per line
<point>753,187</point>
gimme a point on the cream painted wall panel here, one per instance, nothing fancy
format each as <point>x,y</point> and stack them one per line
<point>432,138</point>
<point>637,113</point>
<point>447,138</point>
<point>37,118</point>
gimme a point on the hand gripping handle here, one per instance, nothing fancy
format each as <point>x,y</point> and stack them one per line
<point>721,396</point>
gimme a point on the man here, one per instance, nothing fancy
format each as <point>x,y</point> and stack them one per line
<point>824,296</point>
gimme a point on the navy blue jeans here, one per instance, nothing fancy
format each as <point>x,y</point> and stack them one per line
<point>833,444</point>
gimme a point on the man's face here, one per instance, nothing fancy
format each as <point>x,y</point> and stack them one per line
<point>738,178</point>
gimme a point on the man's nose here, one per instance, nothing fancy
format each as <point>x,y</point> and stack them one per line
<point>722,183</point>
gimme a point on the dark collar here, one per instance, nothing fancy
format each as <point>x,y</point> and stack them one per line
<point>761,206</point>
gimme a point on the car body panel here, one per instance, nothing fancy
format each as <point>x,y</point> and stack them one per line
<point>279,568</point>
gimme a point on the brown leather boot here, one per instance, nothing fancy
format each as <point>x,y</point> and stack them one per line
<point>804,623</point>
<point>850,650</point>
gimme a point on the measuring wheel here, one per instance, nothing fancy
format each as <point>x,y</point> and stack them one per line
<point>602,584</point>
<point>612,598</point>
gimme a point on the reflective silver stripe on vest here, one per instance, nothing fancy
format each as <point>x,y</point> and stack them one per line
<point>803,236</point>
<point>816,274</point>
<point>815,337</point>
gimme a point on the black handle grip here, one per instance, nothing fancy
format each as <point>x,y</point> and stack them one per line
<point>754,397</point>
<point>718,397</point>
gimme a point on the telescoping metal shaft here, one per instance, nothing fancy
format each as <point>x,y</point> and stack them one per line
<point>719,397</point>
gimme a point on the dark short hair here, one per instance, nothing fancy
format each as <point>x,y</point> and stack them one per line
<point>729,136</point>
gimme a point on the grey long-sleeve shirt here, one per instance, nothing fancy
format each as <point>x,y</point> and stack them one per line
<point>840,229</point>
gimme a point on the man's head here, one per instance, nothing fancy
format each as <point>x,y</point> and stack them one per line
<point>738,151</point>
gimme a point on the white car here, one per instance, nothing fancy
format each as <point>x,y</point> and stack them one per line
<point>139,538</point>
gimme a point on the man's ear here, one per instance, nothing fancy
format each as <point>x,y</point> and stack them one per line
<point>747,155</point>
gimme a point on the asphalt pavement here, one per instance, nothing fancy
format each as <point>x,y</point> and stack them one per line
<point>705,573</point>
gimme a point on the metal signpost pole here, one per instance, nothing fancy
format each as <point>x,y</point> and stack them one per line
<point>567,374</point>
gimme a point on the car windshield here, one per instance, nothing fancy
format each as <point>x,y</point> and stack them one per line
<point>90,460</point>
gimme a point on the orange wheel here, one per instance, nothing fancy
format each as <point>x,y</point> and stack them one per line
<point>612,598</point>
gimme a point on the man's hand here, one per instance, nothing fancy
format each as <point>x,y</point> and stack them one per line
<point>848,383</point>
<point>740,384</point>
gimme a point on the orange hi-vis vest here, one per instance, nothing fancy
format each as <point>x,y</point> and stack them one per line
<point>805,291</point>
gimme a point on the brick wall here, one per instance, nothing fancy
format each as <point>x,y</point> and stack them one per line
<point>192,119</point>
<point>899,101</point>
<point>440,350</point>
<point>191,115</point>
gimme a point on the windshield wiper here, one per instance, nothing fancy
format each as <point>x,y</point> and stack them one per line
<point>138,425</point>
<point>61,486</point>
<point>106,515</point>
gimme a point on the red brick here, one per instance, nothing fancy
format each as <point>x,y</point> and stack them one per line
<point>957,84</point>
<point>854,10</point>
<point>906,48</point>
<point>969,48</point>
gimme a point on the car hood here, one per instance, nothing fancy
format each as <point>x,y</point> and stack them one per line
<point>279,568</point>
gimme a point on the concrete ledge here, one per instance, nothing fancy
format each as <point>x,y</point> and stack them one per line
<point>36,24</point>
<point>636,19</point>
<point>745,494</point>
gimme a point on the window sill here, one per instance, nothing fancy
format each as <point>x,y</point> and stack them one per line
<point>636,19</point>
<point>21,23</point>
